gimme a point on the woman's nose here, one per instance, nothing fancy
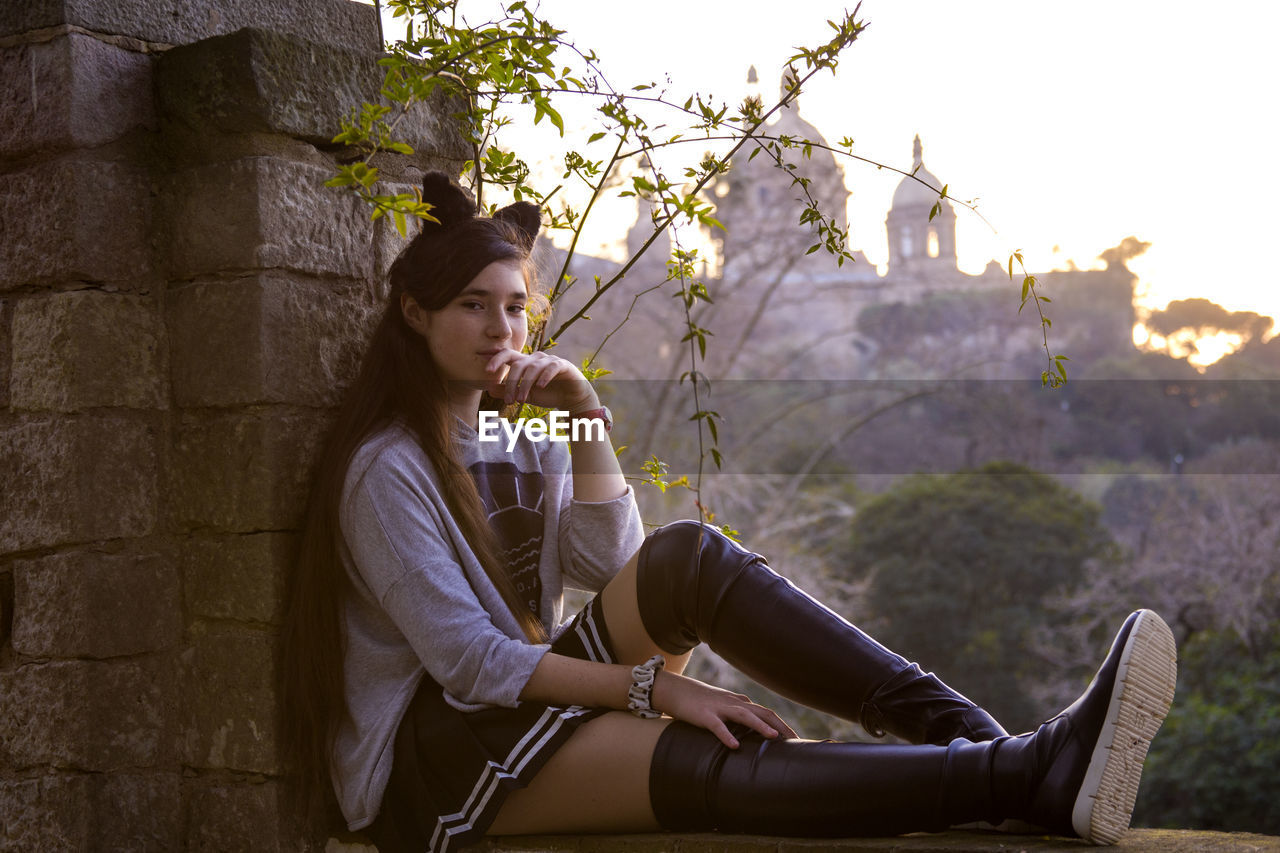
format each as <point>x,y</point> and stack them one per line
<point>499,327</point>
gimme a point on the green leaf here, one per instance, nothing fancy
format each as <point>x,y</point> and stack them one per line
<point>555,118</point>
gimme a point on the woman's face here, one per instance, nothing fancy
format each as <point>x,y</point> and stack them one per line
<point>486,317</point>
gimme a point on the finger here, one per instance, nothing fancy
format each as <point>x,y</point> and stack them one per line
<point>720,730</point>
<point>496,383</point>
<point>511,384</point>
<point>537,376</point>
<point>772,719</point>
<point>551,371</point>
<point>753,720</point>
<point>780,724</point>
<point>500,358</point>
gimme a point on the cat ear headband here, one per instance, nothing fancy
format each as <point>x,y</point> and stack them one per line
<point>451,204</point>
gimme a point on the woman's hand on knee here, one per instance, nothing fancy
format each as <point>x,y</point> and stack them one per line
<point>714,708</point>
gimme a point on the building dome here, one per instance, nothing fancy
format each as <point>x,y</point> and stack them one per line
<point>758,203</point>
<point>921,242</point>
<point>912,193</point>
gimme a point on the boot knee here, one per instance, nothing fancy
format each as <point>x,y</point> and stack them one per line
<point>681,572</point>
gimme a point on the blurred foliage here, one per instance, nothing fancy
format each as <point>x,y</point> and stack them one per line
<point>959,567</point>
<point>1214,764</point>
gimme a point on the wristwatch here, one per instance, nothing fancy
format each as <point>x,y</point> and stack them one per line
<point>600,414</point>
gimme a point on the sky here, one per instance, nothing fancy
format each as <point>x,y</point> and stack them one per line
<point>1072,125</point>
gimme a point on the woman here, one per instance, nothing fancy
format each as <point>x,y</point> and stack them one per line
<point>430,678</point>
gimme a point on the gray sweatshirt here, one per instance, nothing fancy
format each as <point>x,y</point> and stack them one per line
<point>422,602</point>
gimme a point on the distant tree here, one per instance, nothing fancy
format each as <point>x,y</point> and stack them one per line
<point>1204,317</point>
<point>1203,549</point>
<point>1213,766</point>
<point>1254,360</point>
<point>1143,409</point>
<point>1129,248</point>
<point>960,568</point>
<point>1184,322</point>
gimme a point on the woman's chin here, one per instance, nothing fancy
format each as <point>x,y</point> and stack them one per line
<point>469,386</point>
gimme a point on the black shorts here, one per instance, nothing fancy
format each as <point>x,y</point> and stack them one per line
<point>451,770</point>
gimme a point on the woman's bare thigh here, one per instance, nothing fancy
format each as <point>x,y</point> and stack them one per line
<point>630,640</point>
<point>598,781</point>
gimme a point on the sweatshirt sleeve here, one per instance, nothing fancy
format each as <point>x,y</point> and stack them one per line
<point>597,539</point>
<point>397,540</point>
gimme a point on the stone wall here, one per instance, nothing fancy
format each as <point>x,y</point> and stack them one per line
<point>181,300</point>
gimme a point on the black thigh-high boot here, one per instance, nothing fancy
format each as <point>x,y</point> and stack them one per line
<point>697,585</point>
<point>1076,775</point>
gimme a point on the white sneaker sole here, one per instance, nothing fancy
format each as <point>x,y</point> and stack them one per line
<point>1143,691</point>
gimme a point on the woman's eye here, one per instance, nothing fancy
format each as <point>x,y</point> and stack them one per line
<point>472,306</point>
<point>516,309</point>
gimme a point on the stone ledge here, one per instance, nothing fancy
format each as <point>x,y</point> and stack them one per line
<point>71,92</point>
<point>259,81</point>
<point>1140,840</point>
<point>171,22</point>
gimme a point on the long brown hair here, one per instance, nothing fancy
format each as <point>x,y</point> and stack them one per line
<point>397,379</point>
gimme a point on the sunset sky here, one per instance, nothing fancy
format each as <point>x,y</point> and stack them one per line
<point>1074,125</point>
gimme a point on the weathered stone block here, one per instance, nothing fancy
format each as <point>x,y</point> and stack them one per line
<point>264,213</point>
<point>136,811</point>
<point>243,471</point>
<point>72,92</point>
<point>233,816</point>
<point>85,348</point>
<point>6,350</point>
<point>74,812</point>
<point>340,22</point>
<point>47,813</point>
<point>74,220</point>
<point>229,696</point>
<point>75,480</point>
<point>94,604</point>
<point>239,577</point>
<point>267,82</point>
<point>6,607</point>
<point>265,339</point>
<point>87,715</point>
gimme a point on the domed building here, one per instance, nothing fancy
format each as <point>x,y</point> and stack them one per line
<point>760,205</point>
<point>779,310</point>
<point>920,246</point>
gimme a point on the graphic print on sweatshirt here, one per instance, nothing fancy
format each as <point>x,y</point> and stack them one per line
<point>513,500</point>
